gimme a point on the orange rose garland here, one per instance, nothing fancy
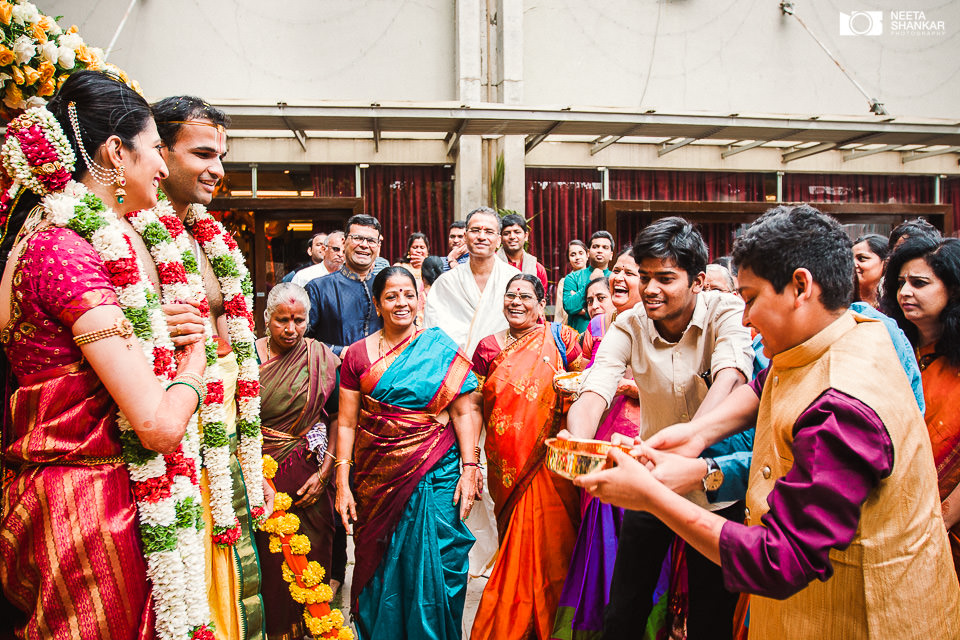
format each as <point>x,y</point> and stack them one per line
<point>305,577</point>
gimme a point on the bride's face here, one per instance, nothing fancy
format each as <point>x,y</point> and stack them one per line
<point>143,170</point>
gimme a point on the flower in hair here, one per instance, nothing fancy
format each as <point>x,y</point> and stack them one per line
<point>36,152</point>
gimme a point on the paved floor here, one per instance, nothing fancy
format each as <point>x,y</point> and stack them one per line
<point>474,589</point>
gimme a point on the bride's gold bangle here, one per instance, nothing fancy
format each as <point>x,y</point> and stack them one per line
<point>340,461</point>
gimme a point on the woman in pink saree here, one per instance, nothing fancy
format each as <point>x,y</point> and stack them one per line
<point>71,558</point>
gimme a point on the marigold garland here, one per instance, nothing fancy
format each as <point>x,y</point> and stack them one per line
<point>304,577</point>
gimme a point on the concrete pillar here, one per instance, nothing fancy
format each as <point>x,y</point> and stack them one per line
<point>514,174</point>
<point>510,91</point>
<point>468,182</point>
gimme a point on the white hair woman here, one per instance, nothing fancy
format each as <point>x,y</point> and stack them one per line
<point>298,411</point>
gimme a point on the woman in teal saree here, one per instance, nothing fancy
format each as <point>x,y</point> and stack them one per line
<point>406,423</point>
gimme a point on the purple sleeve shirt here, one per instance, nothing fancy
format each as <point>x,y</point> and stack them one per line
<point>841,453</point>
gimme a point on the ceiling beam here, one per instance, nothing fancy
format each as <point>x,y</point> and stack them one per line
<point>299,134</point>
<point>667,148</point>
<point>910,156</point>
<point>598,146</point>
<point>790,156</point>
<point>854,154</point>
<point>453,138</point>
<point>376,134</point>
<point>534,139</point>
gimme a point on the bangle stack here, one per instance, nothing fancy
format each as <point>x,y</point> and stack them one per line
<point>194,381</point>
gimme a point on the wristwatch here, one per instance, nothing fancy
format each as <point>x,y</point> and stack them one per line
<point>714,477</point>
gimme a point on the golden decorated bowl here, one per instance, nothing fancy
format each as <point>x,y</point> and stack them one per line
<point>575,457</point>
<point>568,382</point>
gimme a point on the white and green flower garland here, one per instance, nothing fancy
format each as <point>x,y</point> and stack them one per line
<point>166,487</point>
<point>180,279</point>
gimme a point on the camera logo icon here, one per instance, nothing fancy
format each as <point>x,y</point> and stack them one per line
<point>861,23</point>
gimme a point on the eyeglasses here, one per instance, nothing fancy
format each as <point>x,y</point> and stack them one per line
<point>363,239</point>
<point>480,231</point>
<point>525,298</point>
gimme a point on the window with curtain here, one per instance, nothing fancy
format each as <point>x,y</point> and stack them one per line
<point>333,180</point>
<point>703,186</point>
<point>562,205</point>
<point>818,187</point>
<point>406,199</point>
<point>950,194</point>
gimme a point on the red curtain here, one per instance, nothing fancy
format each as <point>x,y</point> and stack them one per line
<point>703,186</point>
<point>818,187</point>
<point>950,194</point>
<point>333,180</point>
<point>407,199</point>
<point>562,205</point>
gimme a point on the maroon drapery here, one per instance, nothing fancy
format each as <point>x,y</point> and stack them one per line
<point>818,187</point>
<point>407,199</point>
<point>333,180</point>
<point>950,194</point>
<point>562,205</point>
<point>705,186</point>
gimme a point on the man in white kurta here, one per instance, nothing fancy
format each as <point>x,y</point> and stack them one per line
<point>467,301</point>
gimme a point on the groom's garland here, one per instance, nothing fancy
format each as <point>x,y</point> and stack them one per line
<point>180,280</point>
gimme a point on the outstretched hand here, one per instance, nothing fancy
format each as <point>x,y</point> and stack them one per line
<point>623,482</point>
<point>678,473</point>
<point>682,439</point>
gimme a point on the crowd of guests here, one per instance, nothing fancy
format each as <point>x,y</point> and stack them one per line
<point>789,443</point>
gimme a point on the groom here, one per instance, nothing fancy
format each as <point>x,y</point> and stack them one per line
<point>194,137</point>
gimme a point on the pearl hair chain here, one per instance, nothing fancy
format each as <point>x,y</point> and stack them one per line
<point>101,174</point>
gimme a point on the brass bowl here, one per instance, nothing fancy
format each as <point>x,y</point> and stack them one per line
<point>568,382</point>
<point>574,457</point>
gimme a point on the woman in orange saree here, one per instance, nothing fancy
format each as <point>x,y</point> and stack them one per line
<point>922,293</point>
<point>537,511</point>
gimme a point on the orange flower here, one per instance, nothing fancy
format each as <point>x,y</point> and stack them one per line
<point>47,88</point>
<point>6,12</point>
<point>13,96</point>
<point>30,75</point>
<point>73,29</point>
<point>6,56</point>
<point>46,70</point>
<point>17,74</point>
<point>85,55</point>
<point>39,34</point>
<point>46,22</point>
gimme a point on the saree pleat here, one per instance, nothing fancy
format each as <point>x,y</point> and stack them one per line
<point>537,512</point>
<point>70,553</point>
<point>941,388</point>
<point>410,542</point>
<point>294,388</point>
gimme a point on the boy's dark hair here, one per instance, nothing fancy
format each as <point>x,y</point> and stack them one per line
<point>362,220</point>
<point>912,229</point>
<point>458,224</point>
<point>513,219</point>
<point>788,238</point>
<point>675,239</point>
<point>943,257</point>
<point>171,114</point>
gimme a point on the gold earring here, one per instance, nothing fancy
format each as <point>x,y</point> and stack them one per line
<point>121,182</point>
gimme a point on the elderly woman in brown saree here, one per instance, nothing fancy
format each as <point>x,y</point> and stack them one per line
<point>298,381</point>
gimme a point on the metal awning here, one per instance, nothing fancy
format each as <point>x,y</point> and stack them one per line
<point>819,133</point>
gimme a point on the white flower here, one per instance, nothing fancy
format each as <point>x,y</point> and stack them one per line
<point>60,209</point>
<point>34,101</point>
<point>75,189</point>
<point>163,512</point>
<point>66,57</point>
<point>249,369</point>
<point>25,12</point>
<point>24,49</point>
<point>230,286</point>
<point>49,52</point>
<point>133,296</point>
<point>152,469</point>
<point>71,40</point>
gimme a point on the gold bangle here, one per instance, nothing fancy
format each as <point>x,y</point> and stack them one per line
<point>197,383</point>
<point>122,327</point>
<point>340,461</point>
<point>189,375</point>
